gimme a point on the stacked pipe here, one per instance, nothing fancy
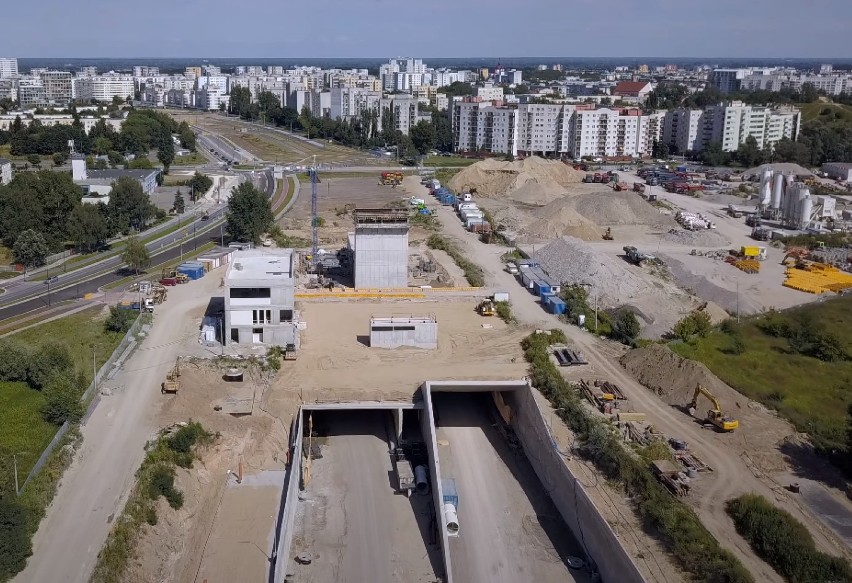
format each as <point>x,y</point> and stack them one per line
<point>692,221</point>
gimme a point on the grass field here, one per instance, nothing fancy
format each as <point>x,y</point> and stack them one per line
<point>827,112</point>
<point>811,393</point>
<point>194,159</point>
<point>22,429</point>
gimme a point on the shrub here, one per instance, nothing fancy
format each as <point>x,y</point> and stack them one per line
<point>13,361</point>
<point>183,441</point>
<point>119,320</point>
<point>62,399</point>
<point>784,542</point>
<point>15,545</point>
<point>504,311</point>
<point>472,272</point>
<point>48,360</point>
<point>163,484</point>
<point>696,323</point>
<point>626,327</point>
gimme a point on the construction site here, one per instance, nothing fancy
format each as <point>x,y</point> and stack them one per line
<point>401,436</point>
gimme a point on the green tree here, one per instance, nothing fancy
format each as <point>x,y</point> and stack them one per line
<point>101,145</point>
<point>14,359</point>
<point>749,153</point>
<point>786,150</point>
<point>49,360</point>
<point>684,329</point>
<point>62,399</point>
<point>240,100</point>
<point>87,227</point>
<point>249,213</point>
<point>129,207</point>
<point>701,319</point>
<point>424,136</point>
<point>140,164</point>
<point>714,155</point>
<point>457,88</point>
<point>166,153</point>
<point>34,159</point>
<point>60,158</point>
<point>627,327</point>
<point>660,150</point>
<point>30,249</point>
<point>15,544</point>
<point>135,254</point>
<point>187,136</point>
<point>179,206</point>
<point>199,184</point>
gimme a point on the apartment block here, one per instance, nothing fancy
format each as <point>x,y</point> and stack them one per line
<point>403,110</point>
<point>58,86</point>
<point>104,87</point>
<point>349,102</point>
<point>8,67</point>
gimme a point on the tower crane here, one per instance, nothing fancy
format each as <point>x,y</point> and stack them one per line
<point>313,174</point>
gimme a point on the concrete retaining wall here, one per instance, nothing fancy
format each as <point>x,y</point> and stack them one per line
<point>578,511</point>
<point>427,426</point>
<point>287,516</point>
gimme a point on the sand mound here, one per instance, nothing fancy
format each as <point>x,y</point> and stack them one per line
<point>572,261</point>
<point>533,181</point>
<point>674,378</point>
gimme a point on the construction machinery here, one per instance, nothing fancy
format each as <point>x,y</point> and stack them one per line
<point>608,235</point>
<point>638,257</point>
<point>390,178</point>
<point>715,416</point>
<point>486,308</point>
<point>159,294</point>
<point>172,382</point>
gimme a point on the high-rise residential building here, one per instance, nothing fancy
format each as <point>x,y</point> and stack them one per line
<point>104,87</point>
<point>726,80</point>
<point>403,110</point>
<point>31,93</point>
<point>88,71</point>
<point>58,86</point>
<point>8,67</point>
<point>348,102</point>
<point>146,71</point>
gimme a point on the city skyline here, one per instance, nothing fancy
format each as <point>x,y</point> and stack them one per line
<point>725,29</point>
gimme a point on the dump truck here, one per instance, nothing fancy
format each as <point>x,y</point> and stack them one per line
<point>390,178</point>
<point>715,416</point>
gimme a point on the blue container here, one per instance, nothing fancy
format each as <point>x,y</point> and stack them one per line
<point>451,496</point>
<point>191,271</point>
<point>556,306</point>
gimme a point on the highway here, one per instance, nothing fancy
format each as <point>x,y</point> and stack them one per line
<point>25,296</point>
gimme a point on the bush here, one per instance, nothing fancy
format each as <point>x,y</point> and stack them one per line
<point>504,311</point>
<point>14,359</point>
<point>62,399</point>
<point>784,542</point>
<point>120,320</point>
<point>48,360</point>
<point>689,543</point>
<point>183,441</point>
<point>627,327</point>
<point>163,484</point>
<point>696,323</point>
<point>15,545</point>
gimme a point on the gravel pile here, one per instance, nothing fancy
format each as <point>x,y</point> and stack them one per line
<point>705,238</point>
<point>785,167</point>
<point>572,261</point>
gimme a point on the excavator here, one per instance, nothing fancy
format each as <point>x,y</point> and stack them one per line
<point>172,382</point>
<point>608,235</point>
<point>715,416</point>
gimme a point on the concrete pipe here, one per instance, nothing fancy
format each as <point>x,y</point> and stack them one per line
<point>451,519</point>
<point>421,482</point>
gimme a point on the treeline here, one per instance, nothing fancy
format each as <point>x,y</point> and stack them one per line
<point>48,205</point>
<point>362,132</point>
<point>142,131</point>
<point>827,138</point>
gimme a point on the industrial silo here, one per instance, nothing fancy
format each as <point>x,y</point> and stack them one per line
<point>778,191</point>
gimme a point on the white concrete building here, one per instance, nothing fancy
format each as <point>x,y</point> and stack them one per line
<point>380,247</point>
<point>349,102</point>
<point>211,98</point>
<point>58,86</point>
<point>403,110</point>
<point>727,80</point>
<point>489,92</point>
<point>31,92</point>
<point>260,298</point>
<point>5,171</point>
<point>104,87</point>
<point>8,67</point>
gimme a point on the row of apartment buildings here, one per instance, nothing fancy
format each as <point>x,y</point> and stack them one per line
<point>776,79</point>
<point>578,130</point>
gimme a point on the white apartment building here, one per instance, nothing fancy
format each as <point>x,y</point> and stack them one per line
<point>540,128</point>
<point>58,86</point>
<point>831,84</point>
<point>727,80</point>
<point>31,92</point>
<point>730,125</point>
<point>349,102</point>
<point>145,71</point>
<point>8,67</point>
<point>402,108</point>
<point>88,71</point>
<point>489,92</point>
<point>481,125</point>
<point>104,87</point>
<point>211,98</point>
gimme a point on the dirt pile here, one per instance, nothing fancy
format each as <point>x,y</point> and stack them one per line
<point>703,238</point>
<point>532,181</point>
<point>572,261</point>
<point>674,378</point>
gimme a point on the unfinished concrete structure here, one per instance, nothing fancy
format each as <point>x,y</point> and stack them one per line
<point>259,298</point>
<point>380,246</point>
<point>396,331</point>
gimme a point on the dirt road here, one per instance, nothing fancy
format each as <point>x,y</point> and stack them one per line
<point>734,474</point>
<point>93,490</point>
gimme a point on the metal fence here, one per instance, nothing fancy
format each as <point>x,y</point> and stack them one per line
<point>116,359</point>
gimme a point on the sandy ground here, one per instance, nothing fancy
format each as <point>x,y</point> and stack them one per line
<point>335,362</point>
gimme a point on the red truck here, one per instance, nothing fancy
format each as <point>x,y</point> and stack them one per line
<point>168,281</point>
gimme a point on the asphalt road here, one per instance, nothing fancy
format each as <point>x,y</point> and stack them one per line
<point>90,278</point>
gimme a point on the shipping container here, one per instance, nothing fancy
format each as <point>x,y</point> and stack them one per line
<point>555,305</point>
<point>191,271</point>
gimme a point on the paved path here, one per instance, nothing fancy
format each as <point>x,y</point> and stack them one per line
<point>93,490</point>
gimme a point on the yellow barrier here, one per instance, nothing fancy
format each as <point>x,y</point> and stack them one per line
<point>818,278</point>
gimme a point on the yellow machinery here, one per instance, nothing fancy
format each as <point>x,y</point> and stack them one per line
<point>486,308</point>
<point>172,382</point>
<point>714,415</point>
<point>391,178</point>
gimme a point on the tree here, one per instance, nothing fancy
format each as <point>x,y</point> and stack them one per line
<point>702,323</point>
<point>62,399</point>
<point>627,327</point>
<point>179,206</point>
<point>249,213</point>
<point>129,207</point>
<point>660,150</point>
<point>60,158</point>
<point>87,227</point>
<point>166,153</point>
<point>424,136</point>
<point>135,254</point>
<point>101,145</point>
<point>457,88</point>
<point>49,360</point>
<point>684,329</point>
<point>199,184</point>
<point>15,544</point>
<point>240,100</point>
<point>30,249</point>
<point>187,136</point>
<point>14,358</point>
<point>34,159</point>
<point>749,153</point>
<point>713,155</point>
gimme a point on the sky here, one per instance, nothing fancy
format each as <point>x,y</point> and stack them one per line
<point>427,28</point>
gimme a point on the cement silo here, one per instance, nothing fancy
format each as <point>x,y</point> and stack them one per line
<point>807,207</point>
<point>766,188</point>
<point>777,191</point>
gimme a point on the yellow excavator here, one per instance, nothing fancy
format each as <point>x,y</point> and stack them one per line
<point>714,415</point>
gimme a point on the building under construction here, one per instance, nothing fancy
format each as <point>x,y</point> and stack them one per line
<point>380,247</point>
